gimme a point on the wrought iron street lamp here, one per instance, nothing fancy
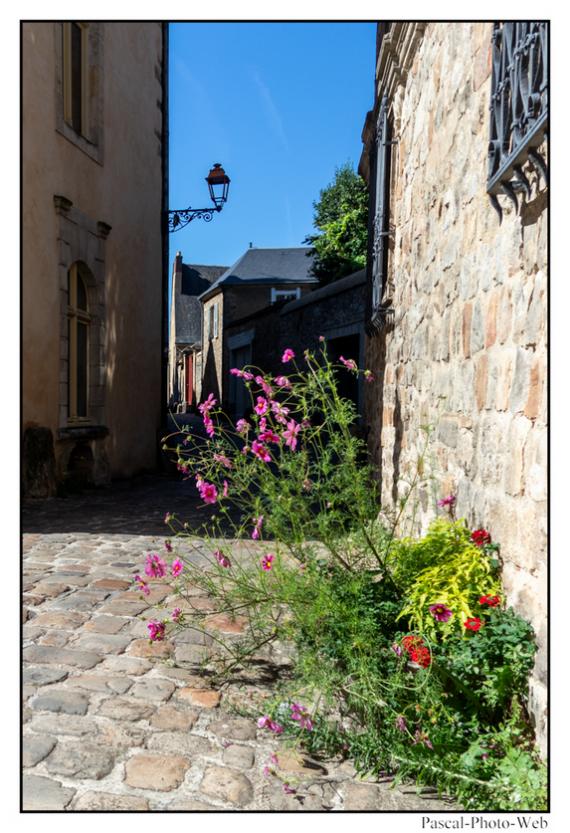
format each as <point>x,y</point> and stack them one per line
<point>218,185</point>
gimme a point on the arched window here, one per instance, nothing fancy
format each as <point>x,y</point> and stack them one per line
<point>78,325</point>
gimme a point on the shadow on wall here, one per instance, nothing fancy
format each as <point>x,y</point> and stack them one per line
<point>210,382</point>
<point>398,436</point>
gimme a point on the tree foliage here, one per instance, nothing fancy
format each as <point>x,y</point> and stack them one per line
<point>341,218</point>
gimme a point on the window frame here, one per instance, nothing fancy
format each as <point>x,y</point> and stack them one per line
<point>379,220</point>
<point>68,77</point>
<point>76,316</point>
<point>277,294</point>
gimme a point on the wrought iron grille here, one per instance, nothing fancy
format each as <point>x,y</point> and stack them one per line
<point>379,231</point>
<point>519,107</point>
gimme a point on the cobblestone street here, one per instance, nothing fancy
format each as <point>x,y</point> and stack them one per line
<point>114,722</point>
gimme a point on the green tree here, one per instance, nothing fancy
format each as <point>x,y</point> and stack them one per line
<point>341,218</point>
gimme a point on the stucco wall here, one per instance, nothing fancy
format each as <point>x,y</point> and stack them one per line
<point>123,189</point>
<point>467,349</point>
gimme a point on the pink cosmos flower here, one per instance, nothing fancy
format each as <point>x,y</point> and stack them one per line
<point>301,715</point>
<point>226,489</point>
<point>440,612</point>
<point>224,460</point>
<point>261,451</point>
<point>168,546</point>
<point>156,631</point>
<point>242,426</point>
<point>265,722</point>
<point>262,406</point>
<point>287,355</point>
<point>282,382</point>
<point>143,585</point>
<point>155,566</point>
<point>262,424</point>
<point>207,406</point>
<point>245,449</point>
<point>176,567</point>
<point>208,492</point>
<point>176,614</point>
<point>257,528</point>
<point>209,426</point>
<point>280,412</point>
<point>447,501</point>
<point>270,436</point>
<point>290,434</point>
<point>267,561</point>
<point>242,374</point>
<point>265,386</point>
<point>350,364</point>
<point>222,559</point>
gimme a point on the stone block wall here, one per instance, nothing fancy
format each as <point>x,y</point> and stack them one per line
<point>467,349</point>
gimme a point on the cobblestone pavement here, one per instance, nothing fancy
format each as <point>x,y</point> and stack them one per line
<point>113,722</point>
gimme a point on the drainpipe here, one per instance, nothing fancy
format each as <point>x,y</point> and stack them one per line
<point>165,241</point>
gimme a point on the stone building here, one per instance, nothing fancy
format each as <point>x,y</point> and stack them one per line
<point>95,262</point>
<point>259,279</point>
<point>455,155</point>
<point>185,331</point>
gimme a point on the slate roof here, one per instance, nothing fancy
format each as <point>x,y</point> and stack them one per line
<point>267,267</point>
<point>187,287</point>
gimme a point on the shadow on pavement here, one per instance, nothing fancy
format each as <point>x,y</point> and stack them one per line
<point>132,507</point>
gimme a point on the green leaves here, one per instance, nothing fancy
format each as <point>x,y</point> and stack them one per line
<point>341,217</point>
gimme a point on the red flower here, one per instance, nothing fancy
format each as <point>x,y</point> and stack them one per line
<point>473,623</point>
<point>480,537</point>
<point>409,642</point>
<point>421,656</point>
<point>492,601</point>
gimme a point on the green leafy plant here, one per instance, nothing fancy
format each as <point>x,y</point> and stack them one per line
<point>404,657</point>
<point>443,567</point>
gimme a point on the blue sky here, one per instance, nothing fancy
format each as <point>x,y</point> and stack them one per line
<point>280,105</point>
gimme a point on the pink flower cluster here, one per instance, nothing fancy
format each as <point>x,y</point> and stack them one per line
<point>142,585</point>
<point>205,409</point>
<point>266,722</point>
<point>242,374</point>
<point>288,354</point>
<point>301,715</point>
<point>156,630</point>
<point>222,559</point>
<point>258,523</point>
<point>155,566</point>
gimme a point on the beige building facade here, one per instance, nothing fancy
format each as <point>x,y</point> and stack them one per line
<point>458,289</point>
<point>94,242</point>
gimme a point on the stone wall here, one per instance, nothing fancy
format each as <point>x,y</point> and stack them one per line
<point>467,350</point>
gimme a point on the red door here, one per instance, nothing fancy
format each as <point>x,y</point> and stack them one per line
<point>189,379</point>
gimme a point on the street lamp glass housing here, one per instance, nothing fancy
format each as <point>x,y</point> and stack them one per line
<point>218,184</point>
